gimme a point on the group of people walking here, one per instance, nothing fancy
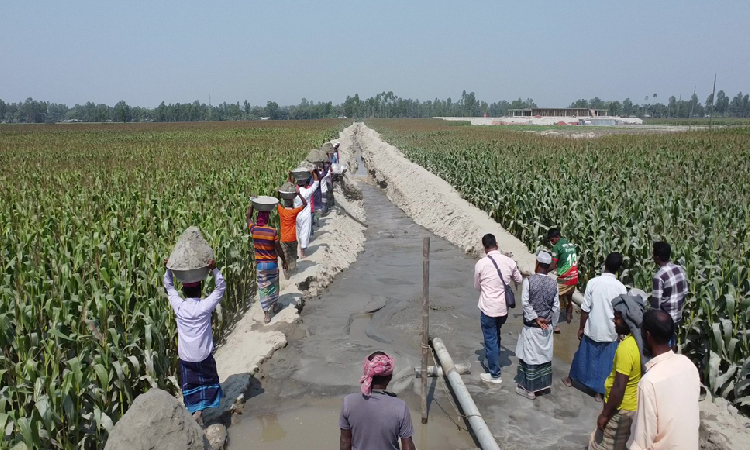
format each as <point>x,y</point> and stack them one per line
<point>627,352</point>
<point>297,218</point>
<point>199,378</point>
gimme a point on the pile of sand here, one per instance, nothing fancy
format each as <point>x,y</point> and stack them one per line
<point>191,252</point>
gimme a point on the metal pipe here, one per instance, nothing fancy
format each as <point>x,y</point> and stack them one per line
<point>478,425</point>
<point>437,371</point>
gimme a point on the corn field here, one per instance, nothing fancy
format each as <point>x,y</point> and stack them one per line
<point>88,214</point>
<point>620,193</point>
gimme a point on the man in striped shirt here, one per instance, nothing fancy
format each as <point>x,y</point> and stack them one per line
<point>670,287</point>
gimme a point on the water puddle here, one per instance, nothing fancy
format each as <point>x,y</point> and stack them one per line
<point>315,426</point>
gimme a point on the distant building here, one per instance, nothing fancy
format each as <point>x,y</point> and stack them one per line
<point>557,112</point>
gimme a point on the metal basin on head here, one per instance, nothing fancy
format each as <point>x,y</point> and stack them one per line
<point>264,203</point>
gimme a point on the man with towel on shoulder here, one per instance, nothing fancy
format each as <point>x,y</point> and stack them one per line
<point>195,341</point>
<point>621,395</point>
<point>375,419</point>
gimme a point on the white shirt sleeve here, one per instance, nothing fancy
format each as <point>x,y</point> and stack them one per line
<point>588,298</point>
<point>172,294</point>
<point>528,311</point>
<point>215,297</point>
<point>556,310</point>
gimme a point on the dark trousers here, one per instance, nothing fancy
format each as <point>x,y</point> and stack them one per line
<point>491,329</point>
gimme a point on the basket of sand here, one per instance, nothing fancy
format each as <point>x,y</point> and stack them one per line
<point>287,191</point>
<point>189,259</point>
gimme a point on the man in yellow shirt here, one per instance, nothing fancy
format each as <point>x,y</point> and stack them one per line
<point>621,387</point>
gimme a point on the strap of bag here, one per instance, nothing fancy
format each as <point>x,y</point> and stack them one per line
<point>497,268</point>
<point>510,299</point>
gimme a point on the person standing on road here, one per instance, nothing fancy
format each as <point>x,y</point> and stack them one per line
<point>670,287</point>
<point>304,218</point>
<point>288,235</point>
<point>541,311</point>
<point>326,189</point>
<point>375,419</point>
<point>620,400</point>
<point>565,261</point>
<point>195,341</point>
<point>593,360</point>
<point>317,202</point>
<point>492,303</point>
<point>335,154</point>
<point>267,254</point>
<point>668,415</point>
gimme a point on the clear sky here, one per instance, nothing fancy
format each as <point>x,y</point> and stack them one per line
<point>555,52</point>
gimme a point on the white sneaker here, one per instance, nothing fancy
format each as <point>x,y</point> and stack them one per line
<point>487,378</point>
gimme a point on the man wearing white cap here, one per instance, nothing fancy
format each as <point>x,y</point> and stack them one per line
<point>541,311</point>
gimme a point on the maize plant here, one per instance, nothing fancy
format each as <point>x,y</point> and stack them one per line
<point>88,214</point>
<point>620,193</point>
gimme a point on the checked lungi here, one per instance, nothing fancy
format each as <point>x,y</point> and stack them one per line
<point>200,384</point>
<point>534,377</point>
<point>616,433</point>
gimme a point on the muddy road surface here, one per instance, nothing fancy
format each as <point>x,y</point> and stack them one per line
<point>376,305</point>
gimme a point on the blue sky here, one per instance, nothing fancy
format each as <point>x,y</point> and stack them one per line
<point>144,52</point>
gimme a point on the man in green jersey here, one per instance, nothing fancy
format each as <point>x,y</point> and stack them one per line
<point>565,260</point>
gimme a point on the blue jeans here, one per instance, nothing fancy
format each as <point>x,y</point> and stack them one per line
<point>491,329</point>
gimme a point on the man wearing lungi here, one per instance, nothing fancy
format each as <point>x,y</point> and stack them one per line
<point>195,341</point>
<point>541,311</point>
<point>592,362</point>
<point>565,261</point>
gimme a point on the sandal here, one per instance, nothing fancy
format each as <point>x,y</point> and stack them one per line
<point>567,382</point>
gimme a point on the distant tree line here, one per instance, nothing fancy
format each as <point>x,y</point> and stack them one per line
<point>383,105</point>
<point>738,106</point>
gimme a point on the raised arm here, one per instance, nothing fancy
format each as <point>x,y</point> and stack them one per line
<point>249,216</point>
<point>172,294</point>
<point>301,197</point>
<point>215,297</point>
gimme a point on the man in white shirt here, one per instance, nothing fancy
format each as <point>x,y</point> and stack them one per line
<point>494,311</point>
<point>304,218</point>
<point>592,363</point>
<point>668,415</point>
<point>195,341</point>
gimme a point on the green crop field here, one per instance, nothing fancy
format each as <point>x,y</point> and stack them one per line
<point>88,214</point>
<point>620,193</point>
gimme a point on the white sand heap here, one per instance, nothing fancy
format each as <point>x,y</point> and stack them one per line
<point>191,252</point>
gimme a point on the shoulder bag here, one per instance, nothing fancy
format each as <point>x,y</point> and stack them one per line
<point>510,297</point>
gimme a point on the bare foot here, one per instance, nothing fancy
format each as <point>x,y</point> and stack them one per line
<point>567,382</point>
<point>569,313</point>
<point>266,317</point>
<point>198,416</point>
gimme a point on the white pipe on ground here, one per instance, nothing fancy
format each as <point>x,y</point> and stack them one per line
<point>433,371</point>
<point>478,425</point>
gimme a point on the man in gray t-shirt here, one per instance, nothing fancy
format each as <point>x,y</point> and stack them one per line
<point>375,419</point>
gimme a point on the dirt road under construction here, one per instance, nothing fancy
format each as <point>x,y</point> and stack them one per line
<point>375,304</point>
